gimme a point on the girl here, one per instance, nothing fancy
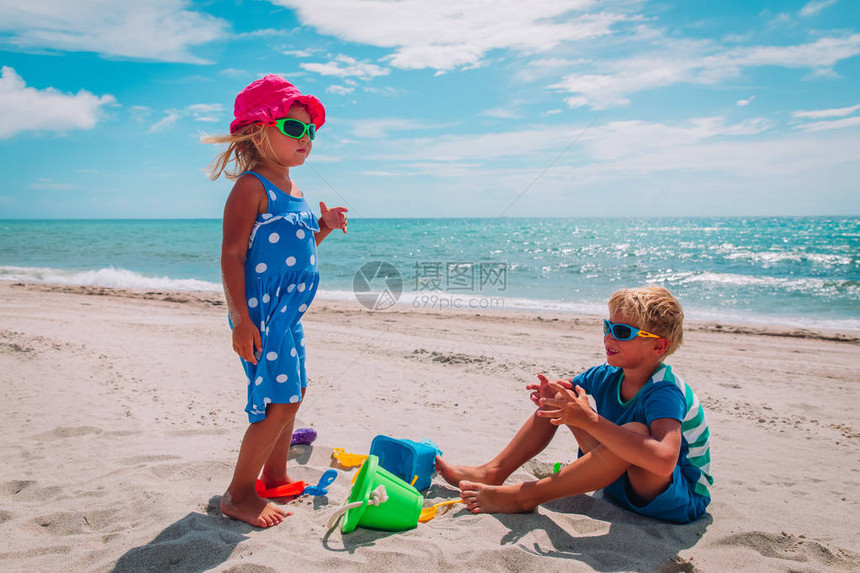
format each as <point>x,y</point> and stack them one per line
<point>270,274</point>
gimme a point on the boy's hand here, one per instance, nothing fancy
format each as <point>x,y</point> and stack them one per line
<point>246,338</point>
<point>334,218</point>
<point>543,389</point>
<point>569,407</point>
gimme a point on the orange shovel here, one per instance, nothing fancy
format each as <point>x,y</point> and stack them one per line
<point>287,490</point>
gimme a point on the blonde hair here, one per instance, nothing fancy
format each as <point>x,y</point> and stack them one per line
<point>655,310</point>
<point>243,151</point>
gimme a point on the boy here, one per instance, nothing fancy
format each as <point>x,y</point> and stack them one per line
<point>646,445</point>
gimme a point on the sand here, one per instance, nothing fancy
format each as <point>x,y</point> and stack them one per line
<point>122,415</point>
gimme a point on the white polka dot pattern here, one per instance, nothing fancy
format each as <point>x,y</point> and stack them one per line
<point>281,279</point>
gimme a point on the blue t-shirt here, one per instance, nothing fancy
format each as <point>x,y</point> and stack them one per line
<point>665,395</point>
<point>654,400</point>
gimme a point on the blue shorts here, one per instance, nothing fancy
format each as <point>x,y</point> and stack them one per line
<point>677,504</point>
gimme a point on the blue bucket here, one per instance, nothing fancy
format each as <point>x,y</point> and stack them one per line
<point>413,462</point>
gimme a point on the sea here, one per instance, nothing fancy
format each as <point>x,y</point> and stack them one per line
<point>792,271</point>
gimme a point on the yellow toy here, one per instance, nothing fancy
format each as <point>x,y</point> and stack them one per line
<point>346,459</point>
<point>429,513</point>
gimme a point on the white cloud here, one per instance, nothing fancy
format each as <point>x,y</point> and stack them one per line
<point>382,128</point>
<point>696,63</point>
<point>387,91</point>
<point>540,68</point>
<point>822,113</point>
<point>614,149</point>
<point>339,90</point>
<point>829,125</point>
<point>346,67</point>
<point>737,38</point>
<point>44,184</point>
<point>162,30</point>
<point>140,113</point>
<point>485,147</point>
<point>635,140</point>
<point>821,54</point>
<point>205,111</point>
<point>778,20</point>
<point>208,112</point>
<point>501,113</point>
<point>317,158</point>
<point>686,163</point>
<point>760,158</point>
<point>299,53</point>
<point>816,6</point>
<point>264,33</point>
<point>171,116</point>
<point>745,102</point>
<point>27,109</point>
<point>445,35</point>
<point>205,108</point>
<point>234,73</point>
<point>710,165</point>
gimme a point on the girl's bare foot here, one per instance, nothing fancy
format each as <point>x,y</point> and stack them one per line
<point>253,509</point>
<point>455,474</point>
<point>274,480</point>
<point>482,498</point>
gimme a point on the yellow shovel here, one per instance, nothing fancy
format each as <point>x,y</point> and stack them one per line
<point>346,459</point>
<point>429,513</point>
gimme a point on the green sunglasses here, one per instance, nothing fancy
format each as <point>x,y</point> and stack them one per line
<point>624,332</point>
<point>294,128</point>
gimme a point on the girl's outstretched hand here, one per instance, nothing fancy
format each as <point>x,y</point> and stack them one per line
<point>246,340</point>
<point>570,407</point>
<point>543,389</point>
<point>334,218</point>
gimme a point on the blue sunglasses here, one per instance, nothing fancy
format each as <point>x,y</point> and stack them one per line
<point>625,332</point>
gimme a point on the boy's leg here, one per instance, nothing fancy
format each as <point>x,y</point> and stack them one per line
<point>645,486</point>
<point>594,470</point>
<point>584,440</point>
<point>275,469</point>
<point>532,438</point>
<point>241,500</point>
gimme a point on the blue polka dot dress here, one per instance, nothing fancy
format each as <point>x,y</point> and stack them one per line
<point>281,279</point>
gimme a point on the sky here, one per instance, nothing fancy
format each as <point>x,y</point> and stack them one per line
<point>436,108</point>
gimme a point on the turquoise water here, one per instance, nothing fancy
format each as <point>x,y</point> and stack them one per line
<point>793,271</point>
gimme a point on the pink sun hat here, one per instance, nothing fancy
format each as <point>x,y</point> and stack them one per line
<point>270,98</point>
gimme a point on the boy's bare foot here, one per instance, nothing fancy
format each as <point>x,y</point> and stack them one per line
<point>482,498</point>
<point>455,474</point>
<point>254,510</point>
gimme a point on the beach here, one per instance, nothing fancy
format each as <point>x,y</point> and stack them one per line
<point>122,415</point>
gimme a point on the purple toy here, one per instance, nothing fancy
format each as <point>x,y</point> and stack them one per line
<point>304,436</point>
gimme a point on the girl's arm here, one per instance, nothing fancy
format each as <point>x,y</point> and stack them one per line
<point>240,213</point>
<point>322,233</point>
<point>330,219</point>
